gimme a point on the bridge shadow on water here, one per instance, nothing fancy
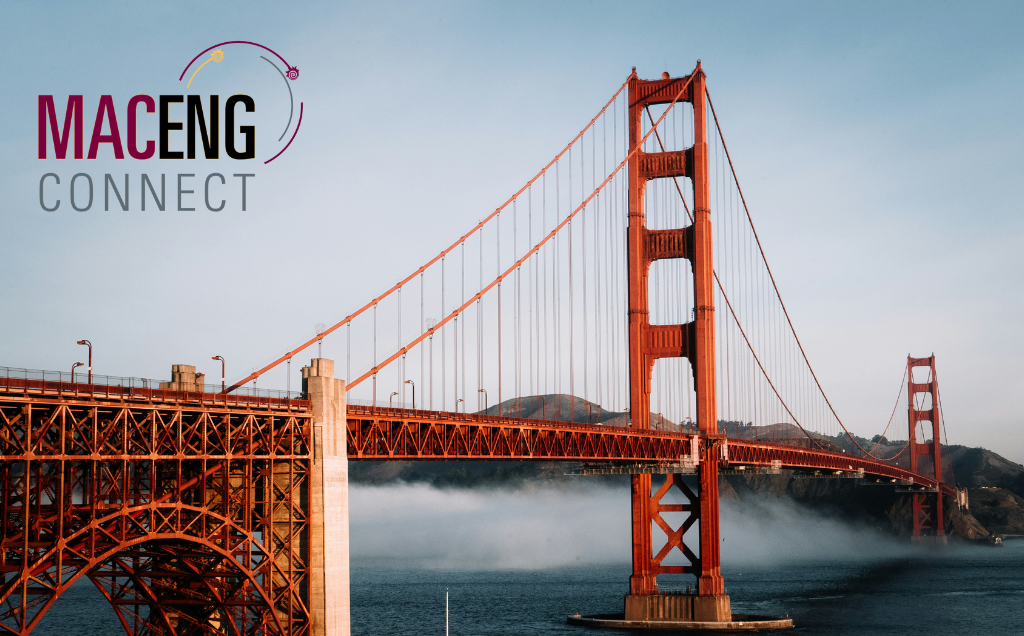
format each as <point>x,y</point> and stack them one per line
<point>962,589</point>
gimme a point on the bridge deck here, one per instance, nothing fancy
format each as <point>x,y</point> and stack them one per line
<point>374,433</point>
<point>378,433</point>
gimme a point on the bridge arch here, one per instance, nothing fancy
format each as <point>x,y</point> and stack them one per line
<point>172,581</point>
<point>228,560</point>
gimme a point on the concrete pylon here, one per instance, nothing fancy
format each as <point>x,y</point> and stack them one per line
<point>328,493</point>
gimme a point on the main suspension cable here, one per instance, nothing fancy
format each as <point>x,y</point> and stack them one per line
<point>532,251</point>
<point>775,286</point>
<point>432,261</point>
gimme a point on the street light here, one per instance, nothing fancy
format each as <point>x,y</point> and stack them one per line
<point>413,393</point>
<point>320,328</point>
<point>484,391</point>
<point>457,405</point>
<point>86,342</point>
<point>391,399</point>
<point>73,367</point>
<point>222,383</point>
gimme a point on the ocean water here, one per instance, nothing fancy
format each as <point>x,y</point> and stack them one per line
<point>958,590</point>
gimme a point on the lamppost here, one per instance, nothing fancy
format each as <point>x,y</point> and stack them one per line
<point>413,393</point>
<point>86,342</point>
<point>391,399</point>
<point>484,391</point>
<point>73,367</point>
<point>222,383</point>
<point>430,365</point>
<point>320,328</point>
<point>457,405</point>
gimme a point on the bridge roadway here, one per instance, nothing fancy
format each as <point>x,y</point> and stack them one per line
<point>374,433</point>
<point>380,433</point>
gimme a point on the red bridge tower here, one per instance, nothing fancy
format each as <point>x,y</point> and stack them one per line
<point>928,518</point>
<point>695,341</point>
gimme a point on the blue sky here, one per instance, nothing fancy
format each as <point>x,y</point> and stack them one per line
<point>879,145</point>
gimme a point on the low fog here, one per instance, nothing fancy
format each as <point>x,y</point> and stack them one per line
<point>540,527</point>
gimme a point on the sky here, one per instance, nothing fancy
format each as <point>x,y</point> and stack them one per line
<point>878,145</point>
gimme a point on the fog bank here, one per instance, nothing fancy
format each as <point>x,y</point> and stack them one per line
<point>540,527</point>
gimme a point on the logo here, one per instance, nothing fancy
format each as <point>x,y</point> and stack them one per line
<point>185,126</point>
<point>291,73</point>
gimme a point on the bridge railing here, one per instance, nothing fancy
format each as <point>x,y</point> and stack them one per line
<point>358,407</point>
<point>62,384</point>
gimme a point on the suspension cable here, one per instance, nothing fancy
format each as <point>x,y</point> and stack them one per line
<point>775,286</point>
<point>532,251</point>
<point>432,261</point>
<point>725,296</point>
<point>942,418</point>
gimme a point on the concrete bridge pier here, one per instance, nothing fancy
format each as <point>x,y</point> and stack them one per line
<point>328,505</point>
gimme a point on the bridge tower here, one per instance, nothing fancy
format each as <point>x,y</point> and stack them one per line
<point>694,340</point>
<point>927,507</point>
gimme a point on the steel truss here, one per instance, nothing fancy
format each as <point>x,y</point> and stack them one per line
<point>193,517</point>
<point>190,517</point>
<point>379,433</point>
<point>382,433</point>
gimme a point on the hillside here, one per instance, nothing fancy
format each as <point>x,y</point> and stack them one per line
<point>567,408</point>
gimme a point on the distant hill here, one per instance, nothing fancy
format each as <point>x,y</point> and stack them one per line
<point>979,467</point>
<point>568,408</point>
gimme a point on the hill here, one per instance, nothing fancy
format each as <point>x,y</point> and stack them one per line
<point>568,408</point>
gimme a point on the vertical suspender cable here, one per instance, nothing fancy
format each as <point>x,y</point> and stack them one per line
<point>544,277</point>
<point>444,349</point>
<point>401,362</point>
<point>560,250</point>
<point>422,329</point>
<point>583,273</point>
<point>572,368</point>
<point>375,354</point>
<point>515,257</point>
<point>533,310</point>
<point>497,240</point>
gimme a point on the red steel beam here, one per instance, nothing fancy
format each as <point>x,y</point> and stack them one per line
<point>37,389</point>
<point>378,433</point>
<point>382,433</point>
<point>86,476</point>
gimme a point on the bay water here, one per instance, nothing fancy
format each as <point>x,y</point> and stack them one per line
<point>962,589</point>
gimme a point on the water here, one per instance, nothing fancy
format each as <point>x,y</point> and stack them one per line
<point>961,590</point>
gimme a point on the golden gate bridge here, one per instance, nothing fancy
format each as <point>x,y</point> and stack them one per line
<point>619,310</point>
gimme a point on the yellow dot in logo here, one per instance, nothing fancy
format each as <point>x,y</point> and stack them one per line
<point>217,55</point>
